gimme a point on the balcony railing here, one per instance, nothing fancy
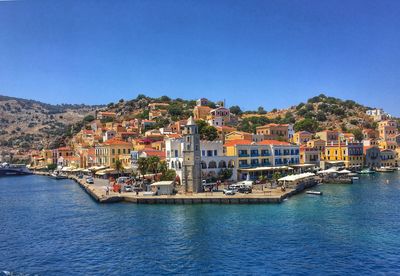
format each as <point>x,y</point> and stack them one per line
<point>244,165</point>
<point>243,155</point>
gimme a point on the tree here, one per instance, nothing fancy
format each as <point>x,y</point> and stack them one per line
<point>320,116</point>
<point>209,133</point>
<point>162,167</point>
<point>118,166</point>
<point>261,110</point>
<point>165,99</point>
<point>140,96</point>
<point>225,174</point>
<point>358,135</point>
<point>306,124</point>
<point>152,164</point>
<point>174,110</point>
<point>142,165</point>
<point>235,110</point>
<point>88,118</point>
<point>168,175</point>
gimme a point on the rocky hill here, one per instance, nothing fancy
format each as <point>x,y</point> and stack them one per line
<point>320,112</point>
<point>29,124</point>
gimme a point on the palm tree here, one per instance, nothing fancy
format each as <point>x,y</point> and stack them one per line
<point>162,167</point>
<point>143,165</point>
<point>118,166</point>
<point>152,162</point>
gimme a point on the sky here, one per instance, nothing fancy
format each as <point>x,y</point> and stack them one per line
<point>251,53</point>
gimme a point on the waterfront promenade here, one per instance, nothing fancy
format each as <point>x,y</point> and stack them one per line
<point>98,192</point>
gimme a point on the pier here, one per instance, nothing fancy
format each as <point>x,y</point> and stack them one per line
<point>98,193</point>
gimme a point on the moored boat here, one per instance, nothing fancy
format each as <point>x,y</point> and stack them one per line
<point>385,169</point>
<point>58,175</point>
<point>13,169</point>
<point>314,192</point>
<point>366,171</point>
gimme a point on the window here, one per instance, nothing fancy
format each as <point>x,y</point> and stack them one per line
<point>203,153</point>
<point>215,153</point>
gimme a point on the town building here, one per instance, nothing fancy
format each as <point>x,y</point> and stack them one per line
<point>302,137</point>
<point>274,131</point>
<point>112,150</point>
<point>201,112</point>
<point>351,154</point>
<point>372,156</point>
<point>328,136</point>
<point>309,155</point>
<point>212,162</point>
<point>387,128</point>
<point>388,158</point>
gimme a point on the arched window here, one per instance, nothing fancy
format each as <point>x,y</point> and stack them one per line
<point>203,165</point>
<point>222,164</point>
<point>212,165</point>
<point>172,165</point>
<point>231,164</point>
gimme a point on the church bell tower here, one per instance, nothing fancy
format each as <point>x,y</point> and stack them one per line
<point>191,158</point>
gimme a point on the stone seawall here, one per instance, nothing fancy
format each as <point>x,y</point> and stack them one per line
<point>98,194</point>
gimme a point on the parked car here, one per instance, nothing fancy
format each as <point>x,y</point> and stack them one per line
<point>128,188</point>
<point>122,179</point>
<point>229,192</point>
<point>90,180</point>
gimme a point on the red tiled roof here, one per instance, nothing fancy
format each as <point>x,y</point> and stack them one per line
<point>65,149</point>
<point>237,142</point>
<point>116,142</point>
<point>273,142</point>
<point>153,152</point>
<point>273,125</point>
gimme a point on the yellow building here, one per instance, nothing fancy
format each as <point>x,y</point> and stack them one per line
<point>328,136</point>
<point>112,150</point>
<point>302,137</point>
<point>387,145</point>
<point>350,153</point>
<point>387,128</point>
<point>238,135</point>
<point>319,144</point>
<point>201,112</point>
<point>274,131</point>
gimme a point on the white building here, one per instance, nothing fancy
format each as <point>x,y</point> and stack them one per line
<point>109,134</point>
<point>213,159</point>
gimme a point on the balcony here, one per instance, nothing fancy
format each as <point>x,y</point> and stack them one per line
<point>265,164</point>
<point>244,166</point>
<point>266,153</point>
<point>243,155</point>
<point>254,154</point>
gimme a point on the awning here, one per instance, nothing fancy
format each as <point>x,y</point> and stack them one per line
<point>106,171</point>
<point>296,177</point>
<point>258,169</point>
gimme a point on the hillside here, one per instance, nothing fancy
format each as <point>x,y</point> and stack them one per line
<point>29,124</point>
<point>320,112</point>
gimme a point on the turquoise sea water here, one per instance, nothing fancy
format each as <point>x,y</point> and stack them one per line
<point>50,227</point>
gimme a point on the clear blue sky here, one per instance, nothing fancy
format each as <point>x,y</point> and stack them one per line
<point>252,53</point>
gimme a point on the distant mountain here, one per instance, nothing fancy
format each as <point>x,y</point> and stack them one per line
<point>30,124</point>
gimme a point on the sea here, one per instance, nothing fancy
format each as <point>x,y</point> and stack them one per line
<point>52,227</point>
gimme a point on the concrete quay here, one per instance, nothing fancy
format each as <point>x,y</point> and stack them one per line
<point>98,192</point>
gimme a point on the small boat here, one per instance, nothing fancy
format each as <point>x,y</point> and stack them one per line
<point>57,175</point>
<point>385,169</point>
<point>366,171</point>
<point>314,192</point>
